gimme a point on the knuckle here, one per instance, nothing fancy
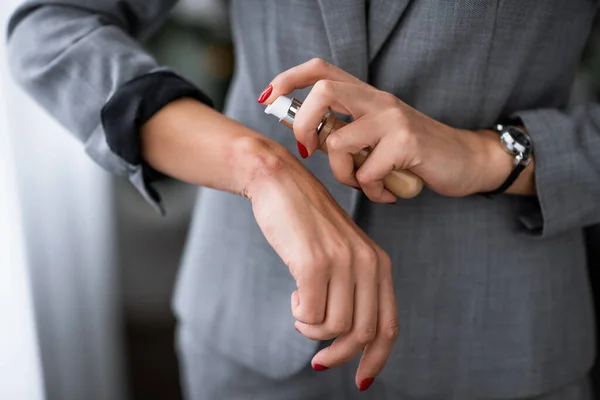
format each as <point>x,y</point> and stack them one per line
<point>406,142</point>
<point>312,317</point>
<point>403,137</point>
<point>339,327</point>
<point>309,315</point>
<point>390,330</point>
<point>318,63</point>
<point>368,255</point>
<point>368,259</point>
<point>363,176</point>
<point>343,176</point>
<point>314,264</point>
<point>396,116</point>
<point>388,99</point>
<point>324,87</point>
<point>341,252</point>
<point>317,260</point>
<point>365,336</point>
<point>298,314</point>
<point>334,142</point>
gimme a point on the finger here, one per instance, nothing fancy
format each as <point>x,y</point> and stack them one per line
<point>379,163</point>
<point>325,96</point>
<point>339,310</point>
<point>312,283</point>
<point>342,166</point>
<point>364,327</point>
<point>344,142</point>
<point>357,135</point>
<point>307,74</point>
<point>295,300</point>
<point>377,352</point>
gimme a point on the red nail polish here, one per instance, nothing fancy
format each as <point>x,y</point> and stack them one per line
<point>319,367</point>
<point>366,384</point>
<point>297,329</point>
<point>302,150</point>
<point>394,202</point>
<point>265,94</point>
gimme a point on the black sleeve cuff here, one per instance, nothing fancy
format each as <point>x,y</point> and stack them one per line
<point>133,105</point>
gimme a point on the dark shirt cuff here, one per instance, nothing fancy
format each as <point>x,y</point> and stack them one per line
<point>133,105</point>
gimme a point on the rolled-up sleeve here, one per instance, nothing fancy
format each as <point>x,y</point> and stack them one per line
<point>567,168</point>
<point>82,61</point>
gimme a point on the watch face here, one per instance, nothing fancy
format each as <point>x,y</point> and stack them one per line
<point>516,141</point>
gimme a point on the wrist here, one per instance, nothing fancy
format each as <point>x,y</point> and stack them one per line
<point>494,164</point>
<point>257,161</point>
<point>192,142</point>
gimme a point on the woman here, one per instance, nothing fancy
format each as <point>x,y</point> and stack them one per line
<point>491,294</point>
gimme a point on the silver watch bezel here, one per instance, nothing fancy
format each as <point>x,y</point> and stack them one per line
<point>522,152</point>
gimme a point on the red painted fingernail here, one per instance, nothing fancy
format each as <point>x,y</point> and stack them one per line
<point>297,329</point>
<point>357,188</point>
<point>394,202</point>
<point>366,384</point>
<point>265,94</point>
<point>319,367</point>
<point>302,150</point>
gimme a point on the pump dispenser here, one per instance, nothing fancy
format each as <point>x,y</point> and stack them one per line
<point>402,183</point>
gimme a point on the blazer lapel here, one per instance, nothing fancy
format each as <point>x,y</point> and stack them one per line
<point>384,16</point>
<point>346,26</point>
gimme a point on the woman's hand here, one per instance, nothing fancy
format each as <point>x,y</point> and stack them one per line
<point>452,162</point>
<point>344,280</point>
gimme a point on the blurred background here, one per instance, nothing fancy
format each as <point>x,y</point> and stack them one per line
<point>86,267</point>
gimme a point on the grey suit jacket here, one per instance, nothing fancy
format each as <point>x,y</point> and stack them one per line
<point>493,294</point>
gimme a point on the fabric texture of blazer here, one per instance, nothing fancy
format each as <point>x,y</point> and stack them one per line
<point>493,294</point>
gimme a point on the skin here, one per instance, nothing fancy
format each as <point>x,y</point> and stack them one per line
<point>452,162</point>
<point>333,261</point>
<point>345,288</point>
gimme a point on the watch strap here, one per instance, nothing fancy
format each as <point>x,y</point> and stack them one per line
<point>508,182</point>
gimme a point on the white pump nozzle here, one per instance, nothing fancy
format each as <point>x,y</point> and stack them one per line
<point>279,107</point>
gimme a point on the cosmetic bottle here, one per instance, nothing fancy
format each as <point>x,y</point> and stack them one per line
<point>403,183</point>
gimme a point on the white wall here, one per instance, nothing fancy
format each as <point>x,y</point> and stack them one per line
<point>20,375</point>
<point>67,222</point>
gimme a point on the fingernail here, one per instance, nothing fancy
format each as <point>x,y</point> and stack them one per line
<point>366,384</point>
<point>265,94</point>
<point>297,329</point>
<point>302,150</point>
<point>319,367</point>
<point>394,202</point>
<point>357,188</point>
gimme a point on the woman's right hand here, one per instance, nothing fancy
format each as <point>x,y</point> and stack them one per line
<point>344,280</point>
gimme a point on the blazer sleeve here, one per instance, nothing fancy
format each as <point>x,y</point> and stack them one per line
<point>82,61</point>
<point>567,168</point>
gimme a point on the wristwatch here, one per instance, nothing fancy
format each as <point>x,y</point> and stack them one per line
<point>517,143</point>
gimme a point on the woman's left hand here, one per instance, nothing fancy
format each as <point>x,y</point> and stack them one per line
<point>452,162</point>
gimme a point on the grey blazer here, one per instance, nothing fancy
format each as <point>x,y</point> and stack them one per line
<point>493,294</point>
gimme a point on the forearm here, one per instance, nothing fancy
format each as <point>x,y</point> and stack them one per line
<point>191,142</point>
